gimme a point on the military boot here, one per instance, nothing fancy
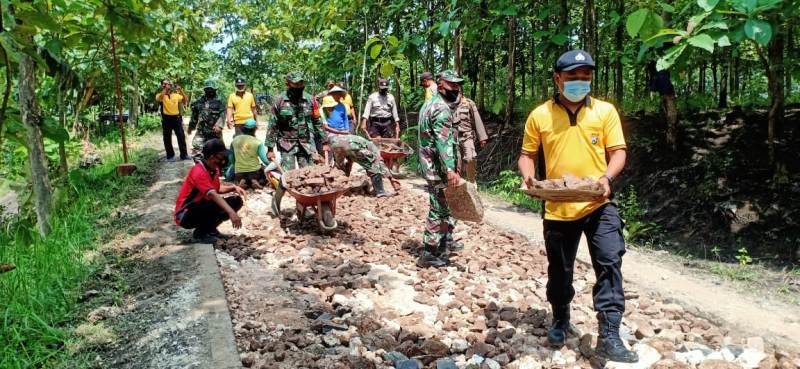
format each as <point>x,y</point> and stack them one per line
<point>452,244</point>
<point>377,185</point>
<point>609,344</point>
<point>434,256</point>
<point>557,335</point>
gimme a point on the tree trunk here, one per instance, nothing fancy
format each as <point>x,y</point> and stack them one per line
<point>563,22</point>
<point>775,81</point>
<point>701,86</point>
<point>63,167</point>
<point>32,120</point>
<point>512,43</point>
<point>457,52</point>
<point>521,58</point>
<point>619,92</point>
<point>723,83</point>
<point>133,103</point>
<point>714,70</point>
<point>670,111</point>
<point>482,77</point>
<point>590,28</point>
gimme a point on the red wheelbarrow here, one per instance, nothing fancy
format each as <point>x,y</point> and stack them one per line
<point>397,151</point>
<point>323,205</point>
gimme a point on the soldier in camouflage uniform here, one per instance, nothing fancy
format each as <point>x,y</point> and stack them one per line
<point>208,117</point>
<point>437,164</point>
<point>348,149</point>
<point>468,123</point>
<point>294,129</point>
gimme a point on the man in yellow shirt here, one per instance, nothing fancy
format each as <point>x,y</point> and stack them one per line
<point>426,81</point>
<point>170,100</point>
<point>241,107</point>
<point>582,136</point>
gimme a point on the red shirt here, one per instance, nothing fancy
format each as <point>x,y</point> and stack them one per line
<point>200,181</point>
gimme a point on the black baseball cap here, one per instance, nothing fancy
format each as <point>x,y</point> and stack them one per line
<point>573,59</point>
<point>239,81</point>
<point>213,147</point>
<point>426,76</point>
<point>383,84</point>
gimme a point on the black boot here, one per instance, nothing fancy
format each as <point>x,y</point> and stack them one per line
<point>377,185</point>
<point>557,335</point>
<point>452,244</point>
<point>609,345</point>
<point>433,257</point>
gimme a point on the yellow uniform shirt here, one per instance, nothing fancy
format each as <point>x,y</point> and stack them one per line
<point>241,106</point>
<point>170,103</point>
<point>429,91</point>
<point>347,100</point>
<point>574,146</point>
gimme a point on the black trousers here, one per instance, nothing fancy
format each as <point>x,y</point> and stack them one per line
<point>207,215</point>
<point>603,230</point>
<point>170,123</point>
<point>382,127</point>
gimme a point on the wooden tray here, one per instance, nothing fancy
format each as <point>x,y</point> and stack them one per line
<point>563,195</point>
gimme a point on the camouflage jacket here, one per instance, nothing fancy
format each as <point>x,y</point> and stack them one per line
<point>359,150</point>
<point>206,114</point>
<point>468,121</point>
<point>437,140</point>
<point>293,124</point>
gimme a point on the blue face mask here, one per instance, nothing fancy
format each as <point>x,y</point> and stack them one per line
<point>576,91</point>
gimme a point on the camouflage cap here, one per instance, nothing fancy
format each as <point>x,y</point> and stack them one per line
<point>450,76</point>
<point>209,84</point>
<point>295,77</point>
<point>239,81</point>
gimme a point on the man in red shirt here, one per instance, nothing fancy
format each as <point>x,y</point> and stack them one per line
<point>199,205</point>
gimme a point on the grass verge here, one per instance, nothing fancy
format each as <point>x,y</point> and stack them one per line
<point>506,187</point>
<point>39,299</point>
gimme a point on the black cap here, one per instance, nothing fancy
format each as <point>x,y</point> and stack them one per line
<point>239,81</point>
<point>573,59</point>
<point>426,76</point>
<point>213,147</point>
<point>383,84</point>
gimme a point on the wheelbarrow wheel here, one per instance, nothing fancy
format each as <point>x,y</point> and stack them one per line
<point>327,221</point>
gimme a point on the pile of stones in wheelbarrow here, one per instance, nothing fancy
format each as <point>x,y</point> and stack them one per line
<point>319,179</point>
<point>393,147</point>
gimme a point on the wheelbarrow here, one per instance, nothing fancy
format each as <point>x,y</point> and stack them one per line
<point>389,156</point>
<point>323,205</point>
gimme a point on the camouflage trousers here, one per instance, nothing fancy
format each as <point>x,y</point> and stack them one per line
<point>296,156</point>
<point>200,138</point>
<point>439,224</point>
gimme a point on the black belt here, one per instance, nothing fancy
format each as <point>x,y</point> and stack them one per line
<point>381,120</point>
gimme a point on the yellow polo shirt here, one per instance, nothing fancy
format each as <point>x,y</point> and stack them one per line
<point>171,103</point>
<point>578,149</point>
<point>347,100</point>
<point>241,106</point>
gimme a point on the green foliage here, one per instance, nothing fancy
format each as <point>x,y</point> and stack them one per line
<point>723,23</point>
<point>40,296</point>
<point>507,186</point>
<point>637,228</point>
<point>743,257</point>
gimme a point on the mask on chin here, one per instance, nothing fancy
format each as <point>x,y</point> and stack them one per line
<point>383,92</point>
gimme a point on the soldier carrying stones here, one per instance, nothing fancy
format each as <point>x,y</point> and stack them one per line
<point>294,129</point>
<point>208,118</point>
<point>437,164</point>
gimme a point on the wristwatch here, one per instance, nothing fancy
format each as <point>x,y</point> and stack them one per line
<point>609,178</point>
